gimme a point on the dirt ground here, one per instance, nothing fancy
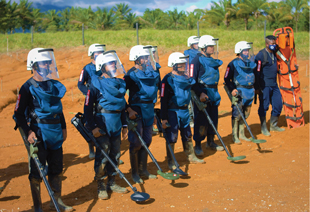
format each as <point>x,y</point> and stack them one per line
<point>276,178</point>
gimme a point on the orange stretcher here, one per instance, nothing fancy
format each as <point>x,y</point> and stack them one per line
<point>288,77</point>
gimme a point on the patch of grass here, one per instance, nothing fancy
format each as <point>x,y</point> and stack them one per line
<point>166,39</point>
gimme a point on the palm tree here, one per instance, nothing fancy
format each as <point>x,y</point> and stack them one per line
<point>36,18</point>
<point>296,7</point>
<point>3,17</point>
<point>65,19</point>
<point>176,19</point>
<point>24,12</point>
<point>104,19</point>
<point>131,18</point>
<point>221,12</point>
<point>51,20</point>
<point>11,16</point>
<point>278,14</point>
<point>121,10</point>
<point>151,18</point>
<point>249,8</point>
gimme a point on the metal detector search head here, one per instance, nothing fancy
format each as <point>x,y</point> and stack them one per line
<point>139,196</point>
<point>241,157</point>
<point>168,176</point>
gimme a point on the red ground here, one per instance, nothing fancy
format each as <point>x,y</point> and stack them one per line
<point>273,179</point>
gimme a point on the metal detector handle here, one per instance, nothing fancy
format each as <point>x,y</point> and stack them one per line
<point>233,99</point>
<point>201,106</point>
<point>170,149</point>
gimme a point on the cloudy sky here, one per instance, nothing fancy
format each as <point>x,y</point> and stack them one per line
<point>138,6</point>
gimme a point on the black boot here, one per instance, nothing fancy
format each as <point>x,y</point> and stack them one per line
<point>36,196</point>
<point>111,185</point>
<point>234,124</point>
<point>198,149</point>
<point>212,145</point>
<point>274,124</point>
<point>171,164</point>
<point>189,151</point>
<point>142,161</point>
<point>263,126</point>
<point>55,183</point>
<point>134,167</point>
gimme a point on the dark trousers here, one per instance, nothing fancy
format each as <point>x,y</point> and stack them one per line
<point>270,95</point>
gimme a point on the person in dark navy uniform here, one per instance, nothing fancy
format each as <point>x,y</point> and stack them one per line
<point>239,78</point>
<point>107,93</point>
<point>206,75</point>
<point>267,87</point>
<point>87,73</point>
<point>175,98</point>
<point>38,112</point>
<point>142,81</point>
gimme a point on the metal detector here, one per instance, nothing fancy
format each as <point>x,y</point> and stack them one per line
<point>88,136</point>
<point>32,150</point>
<point>235,102</point>
<point>169,176</point>
<point>202,107</point>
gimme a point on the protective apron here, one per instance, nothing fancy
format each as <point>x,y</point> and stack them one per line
<point>191,53</point>
<point>48,112</point>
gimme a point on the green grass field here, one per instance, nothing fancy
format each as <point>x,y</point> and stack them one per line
<point>165,39</point>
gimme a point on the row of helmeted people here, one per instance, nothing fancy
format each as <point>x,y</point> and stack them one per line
<point>106,109</point>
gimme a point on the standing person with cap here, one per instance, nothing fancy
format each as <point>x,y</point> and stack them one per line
<point>266,85</point>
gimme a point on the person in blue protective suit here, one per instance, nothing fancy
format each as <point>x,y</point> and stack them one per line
<point>142,81</point>
<point>175,97</point>
<point>239,78</point>
<point>206,74</point>
<point>266,86</point>
<point>107,94</point>
<point>192,42</point>
<point>87,73</point>
<point>40,97</point>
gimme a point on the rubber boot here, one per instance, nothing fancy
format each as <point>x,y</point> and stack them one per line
<point>36,196</point>
<point>171,164</point>
<point>234,124</point>
<point>189,151</point>
<point>155,131</point>
<point>241,131</point>
<point>101,188</point>
<point>212,145</point>
<point>134,167</point>
<point>114,187</point>
<point>55,183</point>
<point>274,124</point>
<point>198,149</point>
<point>263,126</point>
<point>142,159</point>
<point>91,151</point>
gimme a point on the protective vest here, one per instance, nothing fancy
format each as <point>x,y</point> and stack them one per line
<point>111,104</point>
<point>147,82</point>
<point>157,70</point>
<point>181,87</point>
<point>244,80</point>
<point>91,70</point>
<point>192,53</point>
<point>211,77</point>
<point>47,114</point>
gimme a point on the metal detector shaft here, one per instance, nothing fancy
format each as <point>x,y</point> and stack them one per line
<point>83,132</point>
<point>34,156</point>
<point>203,109</point>
<point>242,116</point>
<point>32,150</point>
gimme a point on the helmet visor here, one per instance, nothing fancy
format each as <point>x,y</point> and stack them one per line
<point>148,63</point>
<point>183,68</point>
<point>45,65</point>
<point>155,54</point>
<point>248,54</point>
<point>111,65</point>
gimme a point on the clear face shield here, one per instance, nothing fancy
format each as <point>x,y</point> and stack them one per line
<point>155,54</point>
<point>148,61</point>
<point>45,65</point>
<point>247,56</point>
<point>212,50</point>
<point>183,68</point>
<point>111,65</point>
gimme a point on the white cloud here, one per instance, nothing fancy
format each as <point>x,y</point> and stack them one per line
<point>191,8</point>
<point>208,7</point>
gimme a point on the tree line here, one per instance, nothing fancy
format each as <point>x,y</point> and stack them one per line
<point>244,14</point>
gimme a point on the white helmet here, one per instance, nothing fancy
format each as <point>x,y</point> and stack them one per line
<point>177,58</point>
<point>241,45</point>
<point>206,40</point>
<point>43,62</point>
<point>109,63</point>
<point>192,40</point>
<point>96,47</point>
<point>139,50</point>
